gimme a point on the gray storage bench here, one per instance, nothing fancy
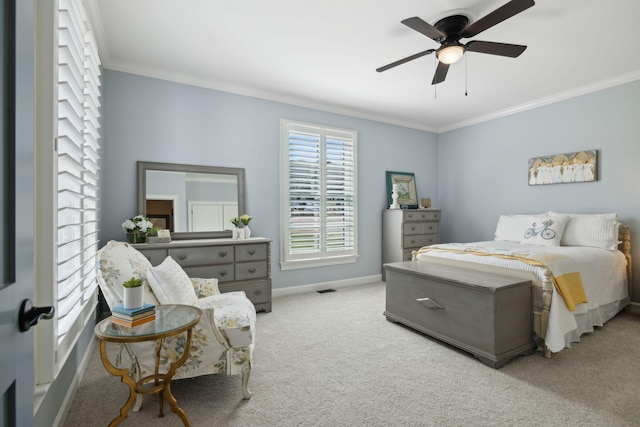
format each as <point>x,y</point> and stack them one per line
<point>487,314</point>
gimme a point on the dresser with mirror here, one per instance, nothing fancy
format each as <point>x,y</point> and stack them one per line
<point>196,204</point>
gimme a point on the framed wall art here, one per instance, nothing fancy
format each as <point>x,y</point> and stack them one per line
<point>581,166</point>
<point>407,194</point>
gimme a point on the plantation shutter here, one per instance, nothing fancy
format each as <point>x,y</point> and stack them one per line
<point>77,170</point>
<point>319,193</point>
<point>339,192</point>
<point>305,192</point>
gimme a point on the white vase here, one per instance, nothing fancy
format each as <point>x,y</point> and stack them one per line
<point>247,232</point>
<point>133,297</point>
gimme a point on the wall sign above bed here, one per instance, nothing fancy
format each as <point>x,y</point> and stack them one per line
<point>581,166</point>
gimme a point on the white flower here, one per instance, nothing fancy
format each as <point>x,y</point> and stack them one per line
<point>138,222</point>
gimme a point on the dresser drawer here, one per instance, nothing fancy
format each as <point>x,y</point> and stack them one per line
<point>251,252</point>
<point>251,270</point>
<point>418,215</point>
<point>411,228</point>
<point>187,257</point>
<point>222,272</point>
<point>413,241</point>
<point>155,256</point>
<point>430,239</point>
<point>258,292</point>
<point>429,227</point>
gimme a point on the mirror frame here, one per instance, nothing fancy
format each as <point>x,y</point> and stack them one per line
<point>143,167</point>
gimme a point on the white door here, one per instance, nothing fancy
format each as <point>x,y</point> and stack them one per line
<point>16,216</point>
<point>205,217</point>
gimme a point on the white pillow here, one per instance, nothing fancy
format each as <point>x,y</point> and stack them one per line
<point>511,227</point>
<point>544,230</point>
<point>592,230</point>
<point>170,283</point>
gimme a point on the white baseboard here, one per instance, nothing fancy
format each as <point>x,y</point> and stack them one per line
<point>291,290</point>
<point>75,385</point>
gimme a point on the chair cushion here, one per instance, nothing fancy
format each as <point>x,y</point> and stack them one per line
<point>170,283</point>
<point>234,315</point>
<point>116,263</point>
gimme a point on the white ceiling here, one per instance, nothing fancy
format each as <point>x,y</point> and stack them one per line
<point>323,54</point>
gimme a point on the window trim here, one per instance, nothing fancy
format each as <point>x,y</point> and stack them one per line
<point>288,262</point>
<point>52,349</point>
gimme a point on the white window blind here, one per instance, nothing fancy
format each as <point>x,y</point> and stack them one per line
<point>78,135</point>
<point>318,195</point>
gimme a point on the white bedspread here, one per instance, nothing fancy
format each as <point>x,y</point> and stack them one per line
<point>603,275</point>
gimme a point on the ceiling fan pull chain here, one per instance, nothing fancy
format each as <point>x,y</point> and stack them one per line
<point>465,76</point>
<point>435,87</point>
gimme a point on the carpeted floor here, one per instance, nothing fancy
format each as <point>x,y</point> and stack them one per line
<point>334,360</point>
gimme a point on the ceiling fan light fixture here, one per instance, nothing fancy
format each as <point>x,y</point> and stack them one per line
<point>450,54</point>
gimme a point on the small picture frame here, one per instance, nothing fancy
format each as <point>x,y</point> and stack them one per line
<point>164,233</point>
<point>407,194</point>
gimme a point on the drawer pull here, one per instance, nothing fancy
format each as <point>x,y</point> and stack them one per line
<point>252,270</point>
<point>432,304</point>
<point>182,257</point>
<point>251,251</point>
<point>222,254</point>
<point>223,273</point>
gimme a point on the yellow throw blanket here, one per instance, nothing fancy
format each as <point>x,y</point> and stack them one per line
<point>566,280</point>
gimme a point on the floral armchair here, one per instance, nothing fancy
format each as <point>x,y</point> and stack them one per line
<point>223,340</point>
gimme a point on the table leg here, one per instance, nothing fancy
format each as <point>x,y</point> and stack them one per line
<point>167,382</point>
<point>157,370</point>
<point>125,378</point>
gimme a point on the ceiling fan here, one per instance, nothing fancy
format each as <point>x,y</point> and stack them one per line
<point>448,32</point>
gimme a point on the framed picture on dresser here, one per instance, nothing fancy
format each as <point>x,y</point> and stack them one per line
<point>407,194</point>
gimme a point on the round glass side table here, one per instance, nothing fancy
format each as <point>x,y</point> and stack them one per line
<point>170,320</point>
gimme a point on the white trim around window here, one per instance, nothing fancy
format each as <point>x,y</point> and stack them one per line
<point>318,195</point>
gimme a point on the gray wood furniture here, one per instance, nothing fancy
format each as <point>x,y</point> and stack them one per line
<point>407,230</point>
<point>486,314</point>
<point>239,265</point>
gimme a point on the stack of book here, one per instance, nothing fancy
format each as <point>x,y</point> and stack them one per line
<point>131,317</point>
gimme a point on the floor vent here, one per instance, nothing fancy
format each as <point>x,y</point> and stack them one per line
<point>324,291</point>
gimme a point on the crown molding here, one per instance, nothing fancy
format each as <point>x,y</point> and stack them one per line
<point>562,96</point>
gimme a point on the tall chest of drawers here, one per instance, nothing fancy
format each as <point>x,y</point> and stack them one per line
<point>407,230</point>
<point>239,265</point>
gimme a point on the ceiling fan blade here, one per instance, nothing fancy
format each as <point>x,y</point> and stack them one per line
<point>422,27</point>
<point>407,59</point>
<point>497,16</point>
<point>493,48</point>
<point>441,73</point>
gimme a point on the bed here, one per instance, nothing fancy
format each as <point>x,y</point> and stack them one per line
<point>579,264</point>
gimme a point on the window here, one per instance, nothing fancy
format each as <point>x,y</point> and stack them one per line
<point>67,221</point>
<point>318,195</point>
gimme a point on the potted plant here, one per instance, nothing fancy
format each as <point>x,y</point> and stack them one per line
<point>133,293</point>
<point>245,221</point>
<point>137,228</point>
<point>237,233</point>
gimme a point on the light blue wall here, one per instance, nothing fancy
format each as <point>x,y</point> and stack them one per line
<point>155,120</point>
<point>483,168</point>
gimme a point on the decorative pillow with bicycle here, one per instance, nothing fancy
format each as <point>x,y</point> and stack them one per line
<point>541,230</point>
<point>545,230</point>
